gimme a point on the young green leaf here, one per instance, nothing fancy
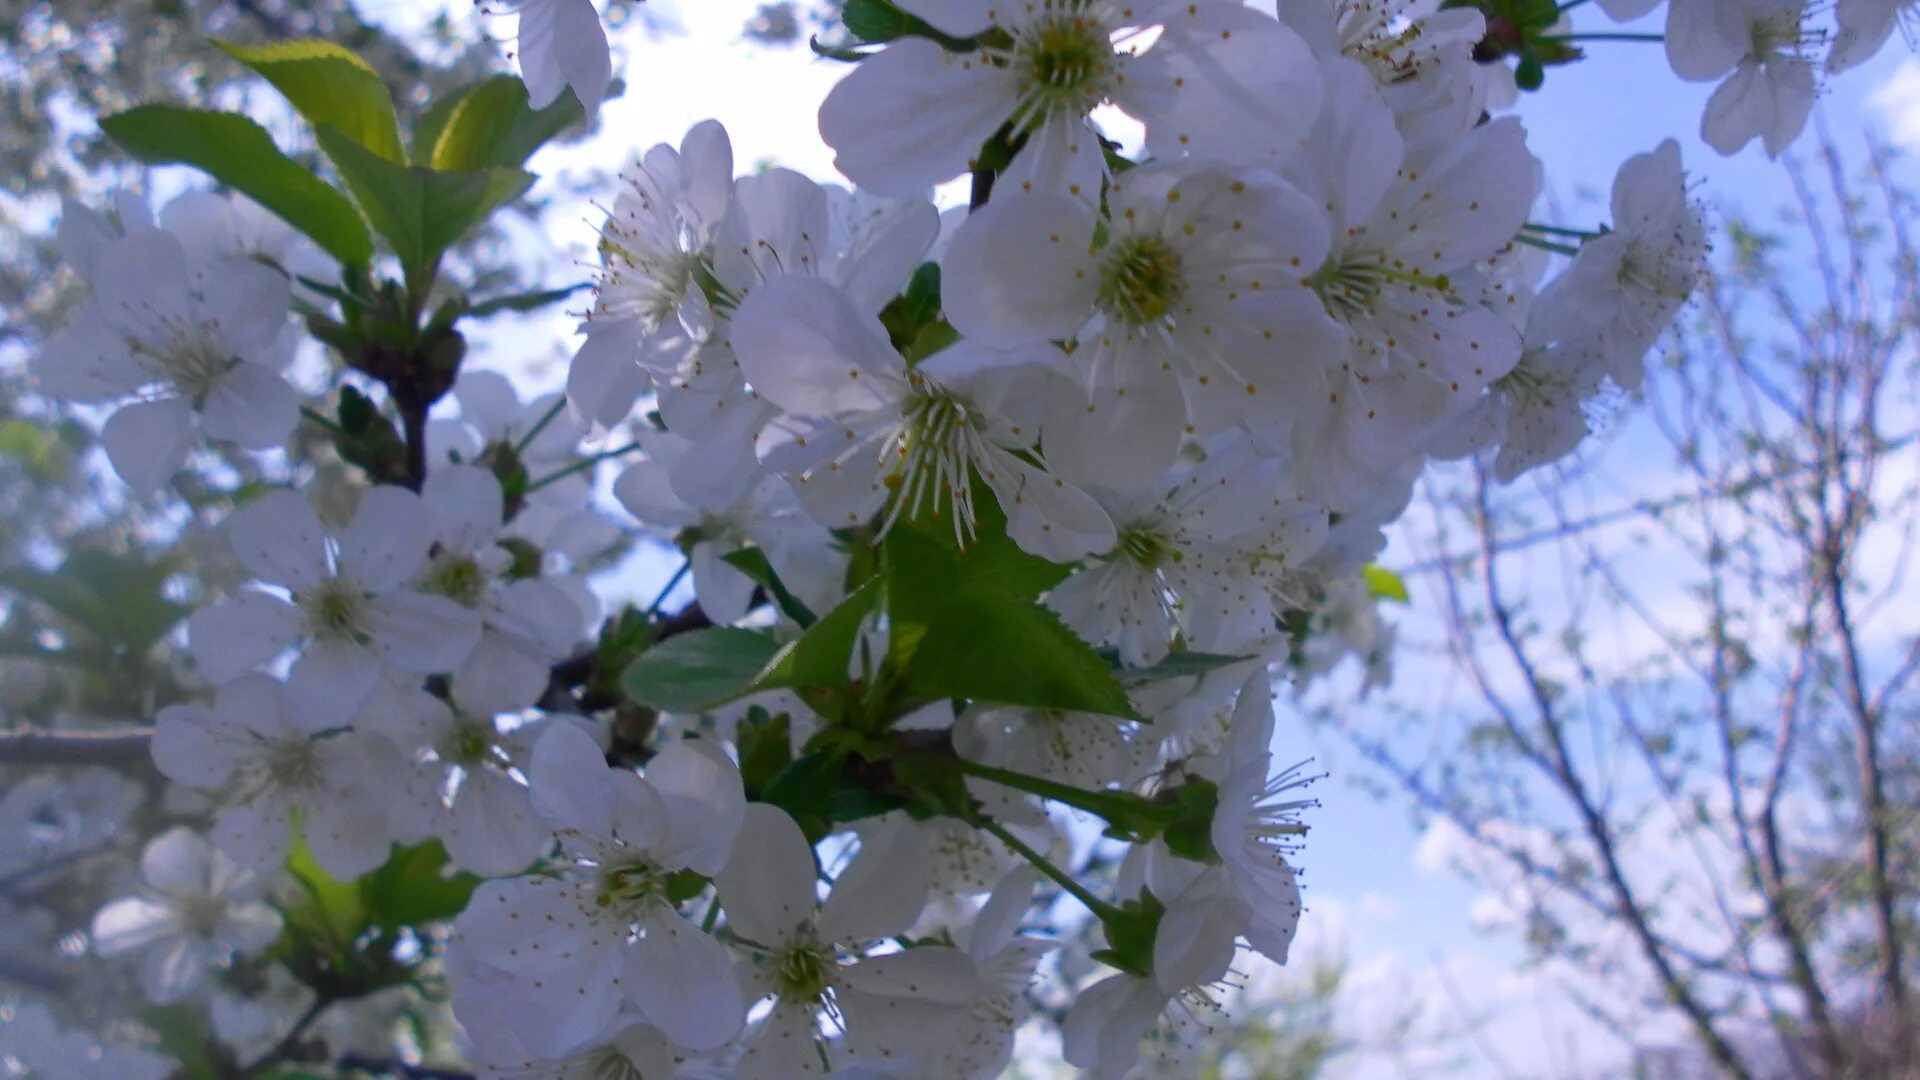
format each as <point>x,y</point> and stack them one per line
<point>416,886</point>
<point>692,671</point>
<point>986,645</point>
<point>240,154</point>
<point>490,125</point>
<point>753,563</point>
<point>328,84</point>
<point>420,212</point>
<point>1384,584</point>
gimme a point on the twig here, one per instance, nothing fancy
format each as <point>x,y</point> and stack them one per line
<point>120,747</point>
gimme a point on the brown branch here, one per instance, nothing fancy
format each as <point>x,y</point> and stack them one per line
<point>1627,905</point>
<point>121,747</point>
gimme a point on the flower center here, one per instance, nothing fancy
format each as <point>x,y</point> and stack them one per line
<point>190,361</point>
<point>199,914</point>
<point>335,611</point>
<point>457,577</point>
<point>1147,548</point>
<point>1140,280</point>
<point>1065,61</point>
<point>801,977</point>
<point>293,764</point>
<point>932,454</point>
<point>630,883</point>
<point>471,743</point>
<point>1351,280</point>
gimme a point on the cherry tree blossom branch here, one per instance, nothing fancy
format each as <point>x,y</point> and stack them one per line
<point>117,747</point>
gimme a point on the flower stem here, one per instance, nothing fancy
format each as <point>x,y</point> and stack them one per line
<point>667,590</point>
<point>1547,245</point>
<point>1559,230</point>
<point>539,426</point>
<point>1118,809</point>
<point>583,464</point>
<point>1100,908</point>
<point>321,420</point>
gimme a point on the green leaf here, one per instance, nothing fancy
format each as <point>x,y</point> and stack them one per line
<point>967,622</point>
<point>876,21</point>
<point>421,212</point>
<point>820,658</point>
<point>328,84</point>
<point>1385,584</point>
<point>924,566</point>
<point>416,886</point>
<point>491,125</point>
<point>766,747</point>
<point>805,789</point>
<point>1176,665</point>
<point>330,910</point>
<point>700,669</point>
<point>524,301</point>
<point>753,563</point>
<point>985,645</point>
<point>115,599</point>
<point>183,1036</point>
<point>240,154</point>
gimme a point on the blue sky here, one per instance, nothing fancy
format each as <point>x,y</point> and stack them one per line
<point>1393,910</point>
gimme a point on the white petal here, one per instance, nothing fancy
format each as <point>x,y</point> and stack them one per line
<point>914,115</point>
<point>87,362</point>
<point>767,885</point>
<point>347,838</point>
<point>177,861</point>
<point>1020,270</point>
<point>131,923</point>
<point>883,890</point>
<point>240,633</point>
<point>280,539</point>
<point>174,970</point>
<point>147,441</point>
<point>467,506</point>
<point>388,540</point>
<point>804,347</point>
<point>192,747</point>
<point>494,830</point>
<point>567,780</point>
<point>329,684</point>
<point>1245,86</point>
<point>725,593</point>
<point>705,803</point>
<point>683,981</point>
<point>429,635</point>
<point>247,928</point>
<point>255,834</point>
<point>605,377</point>
<point>1047,516</point>
<point>562,44</point>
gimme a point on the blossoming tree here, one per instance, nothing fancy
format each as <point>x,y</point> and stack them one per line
<point>1002,522</point>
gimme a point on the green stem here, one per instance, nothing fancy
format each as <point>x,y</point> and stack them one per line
<point>321,420</point>
<point>712,917</point>
<point>1603,37</point>
<point>539,426</point>
<point>667,590</point>
<point>1547,245</point>
<point>1117,809</point>
<point>581,465</point>
<point>1100,908</point>
<point>1560,230</point>
<point>1570,5</point>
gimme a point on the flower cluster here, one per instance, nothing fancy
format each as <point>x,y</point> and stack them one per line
<point>999,521</point>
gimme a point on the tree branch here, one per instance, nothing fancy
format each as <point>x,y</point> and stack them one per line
<point>120,747</point>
